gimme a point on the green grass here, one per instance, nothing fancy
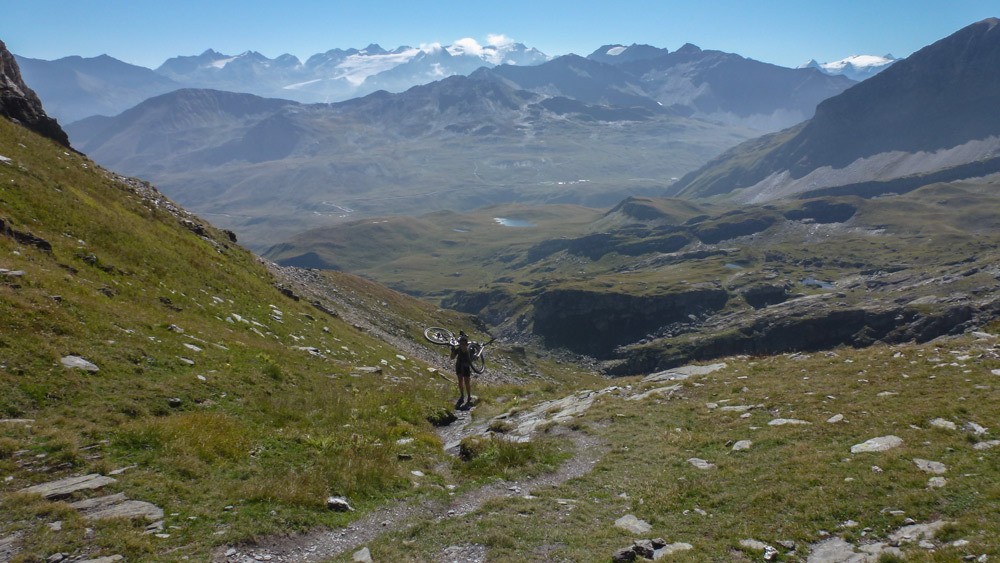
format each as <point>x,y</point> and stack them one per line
<point>794,481</point>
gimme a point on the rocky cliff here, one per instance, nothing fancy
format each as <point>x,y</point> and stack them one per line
<point>20,104</point>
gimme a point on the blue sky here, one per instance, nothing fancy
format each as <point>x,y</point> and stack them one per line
<point>783,32</point>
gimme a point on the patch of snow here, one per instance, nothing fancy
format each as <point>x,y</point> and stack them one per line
<point>615,51</point>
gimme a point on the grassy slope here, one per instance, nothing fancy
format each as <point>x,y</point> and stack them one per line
<point>270,430</point>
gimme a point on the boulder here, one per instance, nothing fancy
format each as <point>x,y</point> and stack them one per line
<point>630,523</point>
<point>76,362</point>
<point>338,504</point>
<point>927,466</point>
<point>880,444</point>
<point>742,445</point>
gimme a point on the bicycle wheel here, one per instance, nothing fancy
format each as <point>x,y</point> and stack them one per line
<point>478,361</point>
<point>439,335</point>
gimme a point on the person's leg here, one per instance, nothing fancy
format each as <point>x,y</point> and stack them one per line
<point>461,390</point>
<point>467,379</point>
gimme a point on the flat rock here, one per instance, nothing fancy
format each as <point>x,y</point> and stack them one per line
<point>740,408</point>
<point>838,550</point>
<point>786,421</point>
<point>658,392</point>
<point>880,444</point>
<point>935,467</point>
<point>682,373</point>
<point>108,559</point>
<point>76,362</point>
<point>117,506</point>
<point>943,424</point>
<point>835,418</point>
<point>630,523</point>
<point>700,463</point>
<point>65,487</point>
<point>987,445</point>
<point>936,482</point>
<point>917,532</point>
<point>363,555</point>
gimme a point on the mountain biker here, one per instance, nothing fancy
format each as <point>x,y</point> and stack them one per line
<point>463,369</point>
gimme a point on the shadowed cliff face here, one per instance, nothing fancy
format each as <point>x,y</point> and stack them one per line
<point>595,323</point>
<point>20,104</point>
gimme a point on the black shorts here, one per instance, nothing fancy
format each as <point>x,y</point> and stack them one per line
<point>463,371</point>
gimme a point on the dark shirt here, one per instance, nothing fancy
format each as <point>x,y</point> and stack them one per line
<point>463,359</point>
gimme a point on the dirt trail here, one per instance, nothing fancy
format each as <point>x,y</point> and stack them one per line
<point>323,544</point>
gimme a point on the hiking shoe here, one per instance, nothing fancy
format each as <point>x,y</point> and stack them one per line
<point>459,402</point>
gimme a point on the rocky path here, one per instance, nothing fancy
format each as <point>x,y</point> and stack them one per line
<point>323,544</point>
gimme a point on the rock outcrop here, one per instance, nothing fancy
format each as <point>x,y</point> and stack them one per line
<point>20,104</point>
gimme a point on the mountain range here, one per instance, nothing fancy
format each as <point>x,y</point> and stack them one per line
<point>75,87</point>
<point>573,130</point>
<point>270,168</point>
<point>706,84</point>
<point>930,117</point>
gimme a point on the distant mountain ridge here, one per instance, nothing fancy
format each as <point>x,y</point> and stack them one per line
<point>690,81</point>
<point>77,87</point>
<point>931,112</point>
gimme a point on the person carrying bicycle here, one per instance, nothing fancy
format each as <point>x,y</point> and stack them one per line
<point>462,355</point>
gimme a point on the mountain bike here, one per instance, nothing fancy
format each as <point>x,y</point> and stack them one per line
<point>444,337</point>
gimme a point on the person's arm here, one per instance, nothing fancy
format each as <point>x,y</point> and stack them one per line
<point>454,352</point>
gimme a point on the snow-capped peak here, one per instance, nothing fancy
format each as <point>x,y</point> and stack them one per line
<point>616,50</point>
<point>856,67</point>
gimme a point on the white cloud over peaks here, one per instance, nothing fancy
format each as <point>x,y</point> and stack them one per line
<point>466,46</point>
<point>498,40</point>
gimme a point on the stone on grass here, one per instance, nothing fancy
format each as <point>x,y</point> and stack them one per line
<point>943,424</point>
<point>630,523</point>
<point>643,548</point>
<point>785,421</point>
<point>742,445</point>
<point>880,444</point>
<point>835,418</point>
<point>362,555</point>
<point>936,482</point>
<point>71,362</point>
<point>928,466</point>
<point>338,504</point>
<point>108,559</point>
<point>700,463</point>
<point>974,428</point>
<point>65,487</point>
<point>682,373</point>
<point>671,549</point>
<point>987,445</point>
<point>623,555</point>
<point>117,506</point>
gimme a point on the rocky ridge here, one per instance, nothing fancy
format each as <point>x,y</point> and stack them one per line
<point>20,103</point>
